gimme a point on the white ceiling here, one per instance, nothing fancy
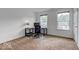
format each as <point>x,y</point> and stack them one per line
<point>20,12</point>
<point>36,9</point>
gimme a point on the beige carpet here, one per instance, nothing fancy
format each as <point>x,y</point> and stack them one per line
<point>42,43</point>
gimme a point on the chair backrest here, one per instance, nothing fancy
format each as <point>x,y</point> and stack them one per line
<point>37,27</point>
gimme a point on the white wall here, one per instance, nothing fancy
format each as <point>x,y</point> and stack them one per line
<point>52,22</point>
<point>75,25</point>
<point>12,23</point>
<point>78,27</point>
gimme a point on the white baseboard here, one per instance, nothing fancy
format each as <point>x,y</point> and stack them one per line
<point>10,38</point>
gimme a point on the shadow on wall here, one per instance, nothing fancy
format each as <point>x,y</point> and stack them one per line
<point>22,26</point>
<point>22,32</point>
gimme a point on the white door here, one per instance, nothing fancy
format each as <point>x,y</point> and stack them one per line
<point>76,24</point>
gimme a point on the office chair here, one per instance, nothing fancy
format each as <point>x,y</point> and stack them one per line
<point>37,29</point>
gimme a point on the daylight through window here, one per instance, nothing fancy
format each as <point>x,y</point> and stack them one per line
<point>43,21</point>
<point>63,21</point>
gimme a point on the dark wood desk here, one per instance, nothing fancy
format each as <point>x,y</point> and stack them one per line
<point>31,31</point>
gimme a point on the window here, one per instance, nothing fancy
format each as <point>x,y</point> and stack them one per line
<point>63,21</point>
<point>43,21</point>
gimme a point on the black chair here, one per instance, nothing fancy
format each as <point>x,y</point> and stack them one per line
<point>37,29</point>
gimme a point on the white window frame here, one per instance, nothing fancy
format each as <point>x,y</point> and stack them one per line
<point>62,21</point>
<point>47,19</point>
